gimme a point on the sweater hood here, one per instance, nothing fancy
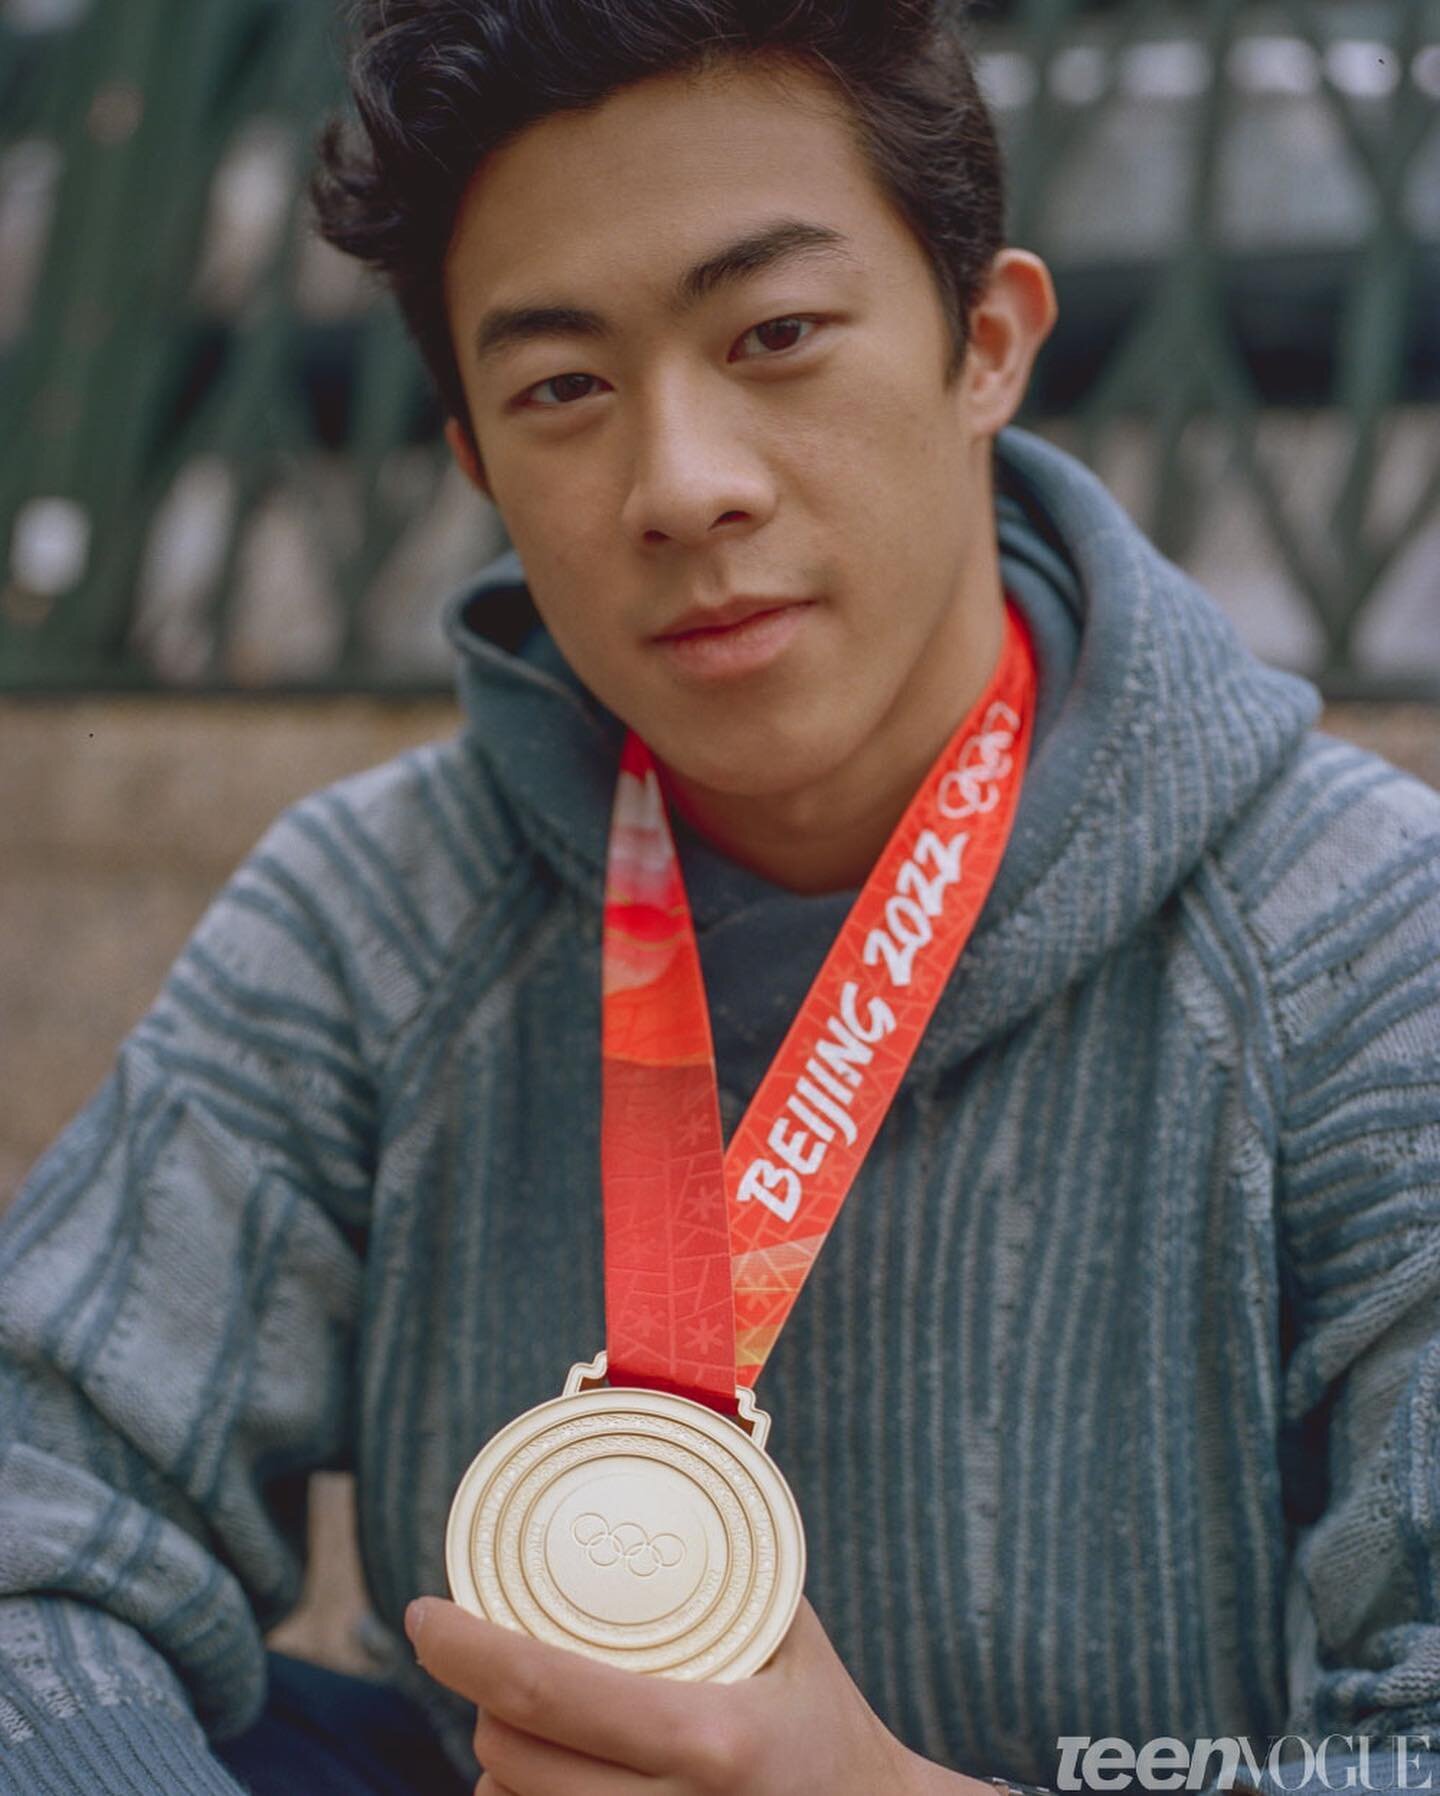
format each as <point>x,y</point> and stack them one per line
<point>1157,730</point>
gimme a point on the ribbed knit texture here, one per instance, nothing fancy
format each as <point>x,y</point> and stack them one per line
<point>1111,1405</point>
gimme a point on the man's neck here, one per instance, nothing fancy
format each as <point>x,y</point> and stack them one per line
<point>826,837</point>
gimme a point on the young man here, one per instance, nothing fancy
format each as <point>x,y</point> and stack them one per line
<point>1109,1404</point>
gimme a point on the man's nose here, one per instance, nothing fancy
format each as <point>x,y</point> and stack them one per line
<point>696,472</point>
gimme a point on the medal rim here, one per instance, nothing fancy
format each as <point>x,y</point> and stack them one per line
<point>641,1403</point>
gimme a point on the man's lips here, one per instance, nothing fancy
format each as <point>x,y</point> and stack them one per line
<point>708,620</point>
<point>729,641</point>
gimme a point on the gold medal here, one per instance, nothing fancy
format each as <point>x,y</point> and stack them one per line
<point>634,1526</point>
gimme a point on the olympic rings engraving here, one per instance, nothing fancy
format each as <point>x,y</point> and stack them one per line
<point>641,1554</point>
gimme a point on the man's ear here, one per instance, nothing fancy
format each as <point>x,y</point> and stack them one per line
<point>1008,326</point>
<point>467,456</point>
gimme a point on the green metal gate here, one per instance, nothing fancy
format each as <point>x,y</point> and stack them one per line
<point>221,465</point>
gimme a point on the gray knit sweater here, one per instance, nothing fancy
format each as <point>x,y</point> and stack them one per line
<point>1111,1405</point>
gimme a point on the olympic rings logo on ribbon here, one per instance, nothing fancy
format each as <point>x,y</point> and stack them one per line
<point>642,1554</point>
<point>973,788</point>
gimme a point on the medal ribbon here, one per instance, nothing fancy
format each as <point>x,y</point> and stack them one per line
<point>706,1249</point>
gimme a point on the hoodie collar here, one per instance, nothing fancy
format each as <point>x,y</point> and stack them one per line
<point>1157,729</point>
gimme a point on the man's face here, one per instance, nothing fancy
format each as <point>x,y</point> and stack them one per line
<point>706,366</point>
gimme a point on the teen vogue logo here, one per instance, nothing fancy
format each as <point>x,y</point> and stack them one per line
<point>1339,1762</point>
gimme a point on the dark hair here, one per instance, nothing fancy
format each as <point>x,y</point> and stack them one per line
<point>439,84</point>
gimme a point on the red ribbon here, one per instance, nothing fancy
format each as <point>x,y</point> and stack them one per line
<point>706,1248</point>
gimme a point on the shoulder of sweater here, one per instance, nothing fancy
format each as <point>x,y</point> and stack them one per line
<point>357,898</point>
<point>1325,842</point>
<point>428,830</point>
<point>1324,896</point>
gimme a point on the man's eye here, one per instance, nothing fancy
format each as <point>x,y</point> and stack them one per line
<point>562,389</point>
<point>776,335</point>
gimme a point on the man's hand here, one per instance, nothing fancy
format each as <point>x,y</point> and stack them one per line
<point>553,1723</point>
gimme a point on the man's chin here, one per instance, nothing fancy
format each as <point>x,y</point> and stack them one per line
<point>764,774</point>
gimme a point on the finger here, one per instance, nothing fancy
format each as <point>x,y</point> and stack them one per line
<point>532,1767</point>
<point>624,1717</point>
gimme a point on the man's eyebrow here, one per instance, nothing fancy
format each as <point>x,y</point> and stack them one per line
<point>787,238</point>
<point>782,241</point>
<point>504,326</point>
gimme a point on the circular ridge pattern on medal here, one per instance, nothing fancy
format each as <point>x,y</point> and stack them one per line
<point>635,1526</point>
<point>693,1602</point>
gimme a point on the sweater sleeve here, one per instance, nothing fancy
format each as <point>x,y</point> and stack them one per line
<point>1356,1001</point>
<point>179,1288</point>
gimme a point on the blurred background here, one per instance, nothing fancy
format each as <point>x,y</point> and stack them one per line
<point>226,522</point>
